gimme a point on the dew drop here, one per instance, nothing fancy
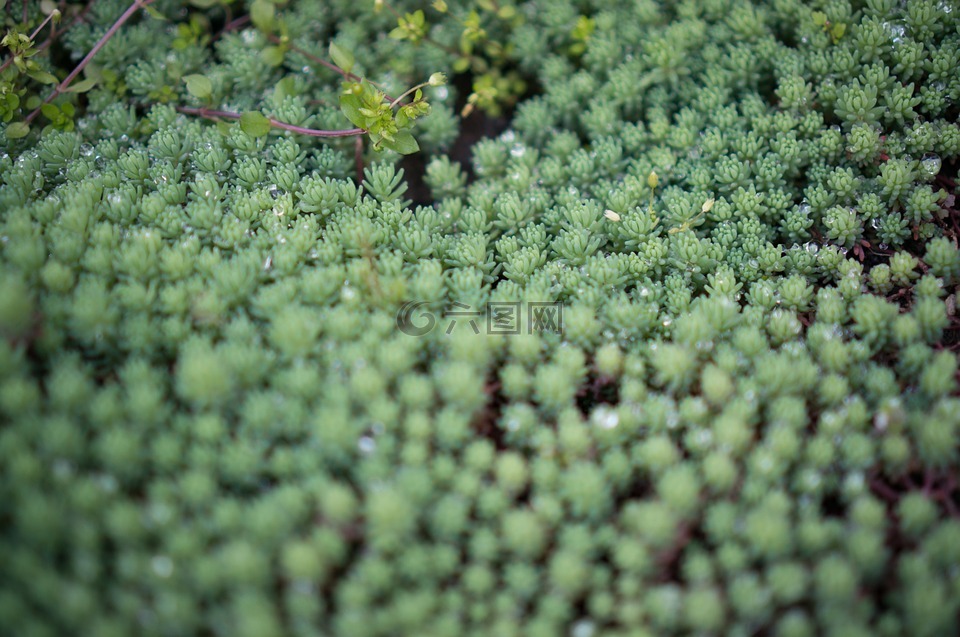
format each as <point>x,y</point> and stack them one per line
<point>930,164</point>
<point>367,445</point>
<point>896,31</point>
<point>605,417</point>
<point>583,628</point>
<point>162,566</point>
<point>108,484</point>
<point>62,469</point>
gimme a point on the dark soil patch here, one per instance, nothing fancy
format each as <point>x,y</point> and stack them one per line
<point>476,126</point>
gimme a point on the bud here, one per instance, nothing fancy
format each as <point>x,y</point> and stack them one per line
<point>437,79</point>
<point>440,6</point>
<point>377,6</point>
<point>708,205</point>
<point>652,179</point>
<point>611,215</point>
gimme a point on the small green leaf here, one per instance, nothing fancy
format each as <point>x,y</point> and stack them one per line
<point>286,87</point>
<point>43,77</point>
<point>17,130</point>
<point>341,57</point>
<point>199,86</point>
<point>262,14</point>
<point>254,123</point>
<point>152,11</point>
<point>273,55</point>
<point>403,143</point>
<point>350,106</point>
<point>82,86</point>
<point>49,111</point>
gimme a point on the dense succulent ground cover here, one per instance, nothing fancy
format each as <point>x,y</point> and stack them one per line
<point>210,423</point>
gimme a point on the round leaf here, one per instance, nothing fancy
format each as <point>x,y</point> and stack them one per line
<point>262,14</point>
<point>403,143</point>
<point>199,86</point>
<point>254,123</point>
<point>341,57</point>
<point>17,130</point>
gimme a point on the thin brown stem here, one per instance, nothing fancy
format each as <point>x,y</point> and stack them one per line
<point>135,6</point>
<point>358,158</point>
<point>210,113</point>
<point>330,65</point>
<point>315,58</point>
<point>233,24</point>
<point>37,31</point>
<point>449,49</point>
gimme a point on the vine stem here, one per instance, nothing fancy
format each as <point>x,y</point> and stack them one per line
<point>319,60</point>
<point>135,6</point>
<point>210,113</point>
<point>46,21</point>
<point>233,24</point>
<point>314,58</point>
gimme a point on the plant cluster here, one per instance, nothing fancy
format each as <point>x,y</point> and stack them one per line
<point>748,424</point>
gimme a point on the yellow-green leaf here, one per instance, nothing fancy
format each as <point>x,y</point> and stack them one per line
<point>199,86</point>
<point>82,86</point>
<point>403,143</point>
<point>50,111</point>
<point>350,106</point>
<point>262,14</point>
<point>254,123</point>
<point>286,87</point>
<point>273,55</point>
<point>43,77</point>
<point>152,11</point>
<point>17,130</point>
<point>341,57</point>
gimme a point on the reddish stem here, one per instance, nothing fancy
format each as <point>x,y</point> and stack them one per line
<point>884,491</point>
<point>322,62</point>
<point>358,158</point>
<point>312,132</point>
<point>234,24</point>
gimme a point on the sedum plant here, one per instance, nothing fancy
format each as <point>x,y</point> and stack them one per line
<point>247,390</point>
